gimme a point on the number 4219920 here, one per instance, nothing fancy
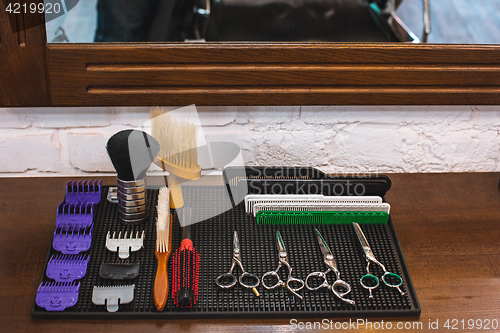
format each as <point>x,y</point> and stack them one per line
<point>471,324</point>
<point>18,8</point>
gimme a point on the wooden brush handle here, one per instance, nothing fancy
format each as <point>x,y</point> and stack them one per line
<point>160,290</point>
<point>176,199</point>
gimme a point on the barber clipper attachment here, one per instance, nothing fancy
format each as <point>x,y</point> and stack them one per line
<point>124,245</point>
<point>57,296</point>
<point>74,215</point>
<point>67,268</point>
<point>86,191</point>
<point>69,240</point>
<point>121,270</point>
<point>113,296</point>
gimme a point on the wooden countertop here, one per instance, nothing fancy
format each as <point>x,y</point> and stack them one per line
<point>448,226</point>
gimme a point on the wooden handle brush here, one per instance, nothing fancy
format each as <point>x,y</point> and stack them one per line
<point>178,151</point>
<point>163,248</point>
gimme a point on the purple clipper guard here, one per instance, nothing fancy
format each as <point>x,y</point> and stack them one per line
<point>70,240</point>
<point>88,191</point>
<point>74,215</point>
<point>67,268</point>
<point>57,296</point>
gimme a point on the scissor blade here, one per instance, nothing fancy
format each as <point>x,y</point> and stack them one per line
<point>322,244</point>
<point>361,235</point>
<point>279,242</point>
<point>236,242</point>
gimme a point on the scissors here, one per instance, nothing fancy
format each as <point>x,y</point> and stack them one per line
<point>332,267</point>
<point>370,281</point>
<point>228,280</point>
<point>283,261</point>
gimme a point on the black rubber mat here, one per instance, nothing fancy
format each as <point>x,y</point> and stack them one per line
<point>213,240</point>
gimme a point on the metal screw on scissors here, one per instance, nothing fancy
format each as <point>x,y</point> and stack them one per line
<point>332,267</point>
<point>283,261</point>
<point>370,258</point>
<point>228,280</point>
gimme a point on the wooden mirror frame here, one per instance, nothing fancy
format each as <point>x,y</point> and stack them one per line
<point>35,73</point>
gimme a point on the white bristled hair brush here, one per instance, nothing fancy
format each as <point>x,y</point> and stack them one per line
<point>163,248</point>
<point>178,151</point>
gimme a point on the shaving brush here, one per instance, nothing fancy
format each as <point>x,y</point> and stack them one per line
<point>132,152</point>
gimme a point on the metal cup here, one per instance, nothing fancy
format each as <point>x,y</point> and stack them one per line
<point>132,201</point>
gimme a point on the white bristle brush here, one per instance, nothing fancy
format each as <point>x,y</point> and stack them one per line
<point>163,248</point>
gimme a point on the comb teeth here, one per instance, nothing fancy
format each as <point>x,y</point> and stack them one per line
<point>73,215</point>
<point>67,268</point>
<point>69,240</point>
<point>57,296</point>
<point>320,217</point>
<point>113,296</point>
<point>124,245</point>
<point>87,191</point>
<point>66,259</point>
<point>185,279</point>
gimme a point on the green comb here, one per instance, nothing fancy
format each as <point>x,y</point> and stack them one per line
<point>320,217</point>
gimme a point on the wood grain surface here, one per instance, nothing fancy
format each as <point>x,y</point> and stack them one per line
<point>273,74</point>
<point>447,224</point>
<point>23,73</point>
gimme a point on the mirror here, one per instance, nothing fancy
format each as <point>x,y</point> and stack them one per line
<point>451,21</point>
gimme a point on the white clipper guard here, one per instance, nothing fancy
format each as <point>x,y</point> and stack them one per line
<point>113,296</point>
<point>124,245</point>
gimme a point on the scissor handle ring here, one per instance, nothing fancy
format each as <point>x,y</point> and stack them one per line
<point>299,281</point>
<point>272,273</point>
<point>369,276</point>
<point>226,276</point>
<point>343,284</point>
<point>251,276</point>
<point>317,274</point>
<point>341,294</point>
<point>393,275</point>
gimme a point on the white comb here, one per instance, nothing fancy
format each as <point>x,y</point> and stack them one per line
<point>253,199</point>
<point>321,206</point>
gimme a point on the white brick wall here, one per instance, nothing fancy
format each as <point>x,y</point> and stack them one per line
<point>71,141</point>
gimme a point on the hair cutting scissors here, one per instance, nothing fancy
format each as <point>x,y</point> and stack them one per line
<point>339,287</point>
<point>370,281</point>
<point>283,261</point>
<point>228,280</point>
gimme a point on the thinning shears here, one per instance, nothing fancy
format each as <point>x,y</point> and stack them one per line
<point>228,280</point>
<point>283,261</point>
<point>339,287</point>
<point>370,281</point>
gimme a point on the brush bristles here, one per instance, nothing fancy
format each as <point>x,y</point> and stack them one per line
<point>163,220</point>
<point>177,138</point>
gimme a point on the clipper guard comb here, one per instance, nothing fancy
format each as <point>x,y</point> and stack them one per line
<point>124,245</point>
<point>113,296</point>
<point>73,215</point>
<point>67,268</point>
<point>57,296</point>
<point>119,270</point>
<point>72,240</point>
<point>86,191</point>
